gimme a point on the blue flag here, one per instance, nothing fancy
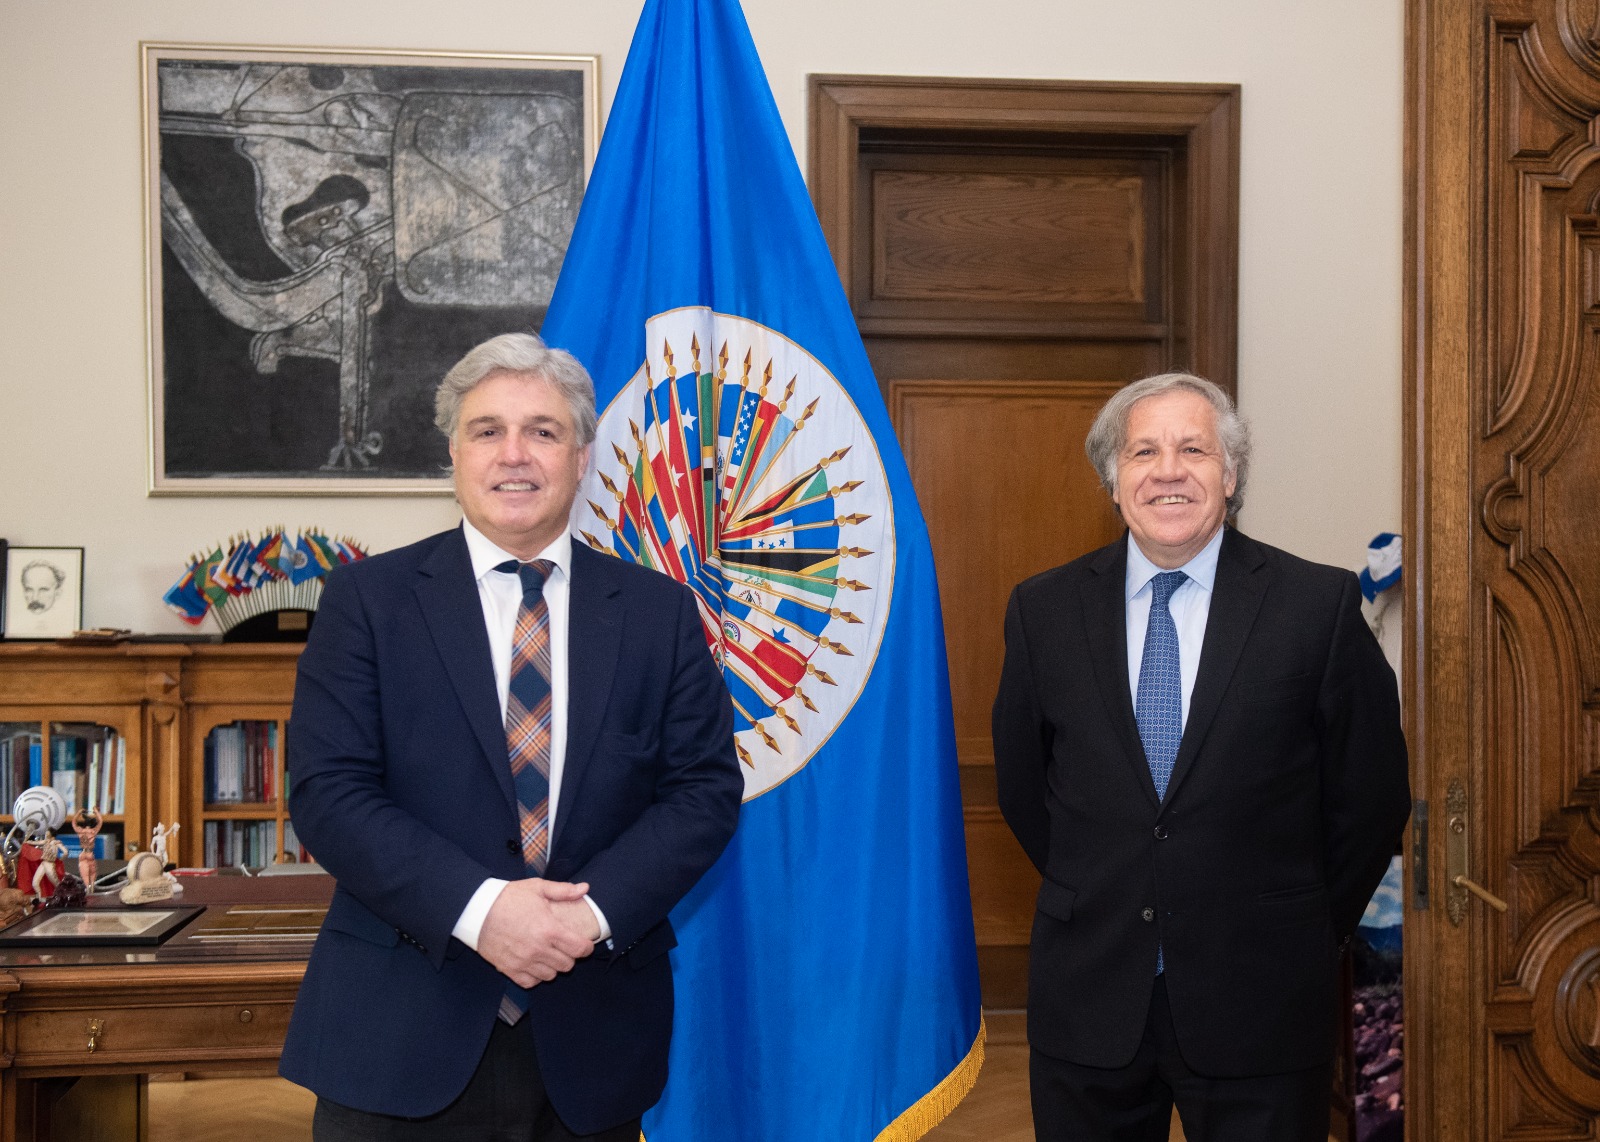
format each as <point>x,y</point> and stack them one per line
<point>826,971</point>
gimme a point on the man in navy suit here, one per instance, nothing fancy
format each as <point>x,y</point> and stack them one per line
<point>1198,744</point>
<point>493,963</point>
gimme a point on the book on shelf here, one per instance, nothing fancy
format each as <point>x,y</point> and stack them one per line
<point>87,767</point>
<point>19,746</point>
<point>241,764</point>
<point>69,769</point>
<point>292,846</point>
<point>239,843</point>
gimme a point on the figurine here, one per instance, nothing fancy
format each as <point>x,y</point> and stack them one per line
<point>70,893</point>
<point>161,838</point>
<point>87,825</point>
<point>147,880</point>
<point>37,810</point>
<point>50,870</point>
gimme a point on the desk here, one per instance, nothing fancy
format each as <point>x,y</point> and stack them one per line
<point>189,1004</point>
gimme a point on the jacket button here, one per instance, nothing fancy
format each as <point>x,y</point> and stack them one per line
<point>1161,832</point>
<point>511,847</point>
<point>1148,915</point>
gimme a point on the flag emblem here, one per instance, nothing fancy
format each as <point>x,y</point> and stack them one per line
<point>733,461</point>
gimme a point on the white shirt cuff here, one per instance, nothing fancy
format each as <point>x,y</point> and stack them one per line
<point>600,918</point>
<point>470,926</point>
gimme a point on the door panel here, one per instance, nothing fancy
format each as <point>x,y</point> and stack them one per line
<point>1007,492</point>
<point>1014,252</point>
<point>1503,1010</point>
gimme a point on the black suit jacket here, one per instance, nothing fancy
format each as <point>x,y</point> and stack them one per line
<point>400,786</point>
<point>1286,801</point>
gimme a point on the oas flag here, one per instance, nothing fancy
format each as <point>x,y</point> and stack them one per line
<point>826,973</point>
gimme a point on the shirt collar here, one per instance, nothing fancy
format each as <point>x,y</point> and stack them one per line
<point>486,555</point>
<point>1202,568</point>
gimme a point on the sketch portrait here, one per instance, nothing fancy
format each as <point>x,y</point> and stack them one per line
<point>44,592</point>
<point>329,231</point>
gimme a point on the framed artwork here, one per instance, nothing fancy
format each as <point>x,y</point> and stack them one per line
<point>43,592</point>
<point>81,927</point>
<point>328,231</point>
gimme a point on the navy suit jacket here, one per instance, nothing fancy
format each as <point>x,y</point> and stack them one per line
<point>1286,801</point>
<point>400,786</point>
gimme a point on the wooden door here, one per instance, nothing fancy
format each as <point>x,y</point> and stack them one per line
<point>1014,252</point>
<point>1503,459</point>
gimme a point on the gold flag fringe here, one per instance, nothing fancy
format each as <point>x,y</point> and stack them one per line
<point>935,1106</point>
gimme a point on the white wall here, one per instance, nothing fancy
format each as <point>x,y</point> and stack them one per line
<point>1320,249</point>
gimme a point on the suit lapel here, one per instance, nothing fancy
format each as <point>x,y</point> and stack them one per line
<point>594,639</point>
<point>1105,625</point>
<point>1236,596</point>
<point>448,596</point>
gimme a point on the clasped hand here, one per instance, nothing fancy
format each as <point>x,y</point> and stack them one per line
<point>537,929</point>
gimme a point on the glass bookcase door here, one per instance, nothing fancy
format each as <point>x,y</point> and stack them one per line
<point>88,765</point>
<point>21,760</point>
<point>86,762</point>
<point>242,786</point>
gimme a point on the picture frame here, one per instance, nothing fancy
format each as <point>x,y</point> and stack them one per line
<point>140,926</point>
<point>43,596</point>
<point>327,231</point>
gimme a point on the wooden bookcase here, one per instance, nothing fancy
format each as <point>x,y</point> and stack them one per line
<point>248,685</point>
<point>164,700</point>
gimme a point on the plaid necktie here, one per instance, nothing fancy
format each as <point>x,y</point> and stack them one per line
<point>1158,706</point>
<point>528,713</point>
<point>528,734</point>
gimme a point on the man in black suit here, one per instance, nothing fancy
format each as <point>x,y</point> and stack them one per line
<point>1208,769</point>
<point>515,754</point>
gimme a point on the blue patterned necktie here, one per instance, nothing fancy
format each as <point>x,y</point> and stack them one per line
<point>1158,706</point>
<point>528,733</point>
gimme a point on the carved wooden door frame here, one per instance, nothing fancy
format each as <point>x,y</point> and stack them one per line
<point>1201,117</point>
<point>1502,399</point>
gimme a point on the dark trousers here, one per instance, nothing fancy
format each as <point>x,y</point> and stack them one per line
<point>504,1102</point>
<point>1073,1103</point>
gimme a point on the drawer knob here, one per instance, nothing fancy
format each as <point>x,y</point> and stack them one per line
<point>245,1015</point>
<point>96,1028</point>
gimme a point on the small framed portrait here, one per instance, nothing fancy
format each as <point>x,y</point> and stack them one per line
<point>80,927</point>
<point>43,592</point>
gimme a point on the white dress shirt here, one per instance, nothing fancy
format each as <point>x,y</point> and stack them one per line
<point>1190,606</point>
<point>500,594</point>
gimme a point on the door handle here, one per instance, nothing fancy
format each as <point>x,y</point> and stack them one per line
<point>1481,893</point>
<point>1458,883</point>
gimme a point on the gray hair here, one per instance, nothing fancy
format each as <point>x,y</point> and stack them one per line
<point>1109,434</point>
<point>59,575</point>
<point>518,353</point>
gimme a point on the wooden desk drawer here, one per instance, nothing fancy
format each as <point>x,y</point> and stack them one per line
<point>172,1034</point>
